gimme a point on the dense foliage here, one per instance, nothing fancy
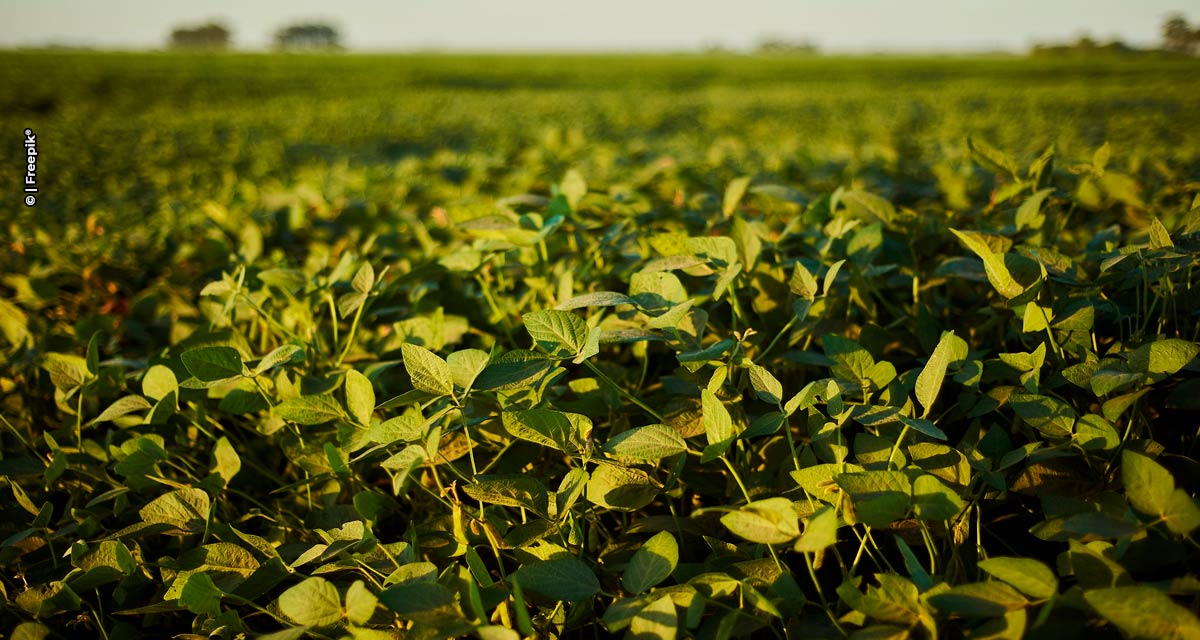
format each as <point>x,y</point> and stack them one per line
<point>669,347</point>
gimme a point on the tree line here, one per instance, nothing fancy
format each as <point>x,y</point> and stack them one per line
<point>296,37</point>
<point>1178,38</point>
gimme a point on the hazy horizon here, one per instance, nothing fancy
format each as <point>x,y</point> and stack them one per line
<point>533,26</point>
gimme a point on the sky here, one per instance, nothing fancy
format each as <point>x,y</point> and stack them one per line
<point>846,26</point>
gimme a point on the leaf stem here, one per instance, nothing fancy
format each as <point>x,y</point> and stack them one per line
<point>736,478</point>
<point>628,396</point>
<point>350,336</point>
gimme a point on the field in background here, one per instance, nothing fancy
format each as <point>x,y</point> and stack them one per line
<point>718,346</point>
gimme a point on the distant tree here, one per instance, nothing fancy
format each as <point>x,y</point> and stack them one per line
<point>208,36</point>
<point>1086,45</point>
<point>783,45</point>
<point>308,37</point>
<point>1178,37</point>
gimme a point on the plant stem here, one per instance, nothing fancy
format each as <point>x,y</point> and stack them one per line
<point>625,394</point>
<point>350,336</point>
<point>736,478</point>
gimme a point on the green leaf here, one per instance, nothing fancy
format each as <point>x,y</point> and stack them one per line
<point>929,382</point>
<point>621,488</point>
<point>1160,238</point>
<point>186,510</point>
<point>652,563</point>
<point>360,397</point>
<point>200,595</point>
<point>567,432</point>
<point>428,371</point>
<point>510,491</point>
<point>820,532</point>
<point>595,299</point>
<point>1105,381</point>
<point>656,621</point>
<point>802,282</point>
<point>1051,416</point>
<point>656,290</point>
<point>921,425</point>
<point>920,577</point>
<point>93,354</point>
<point>1148,486</point>
<point>979,599</point>
<point>651,442</point>
<point>718,425</point>
<point>14,324</point>
<point>558,332</point>
<point>992,158</point>
<point>769,521</point>
<point>209,364</point>
<point>1163,357</point>
<point>574,187</point>
<point>313,602</point>
<point>1029,576</point>
<point>158,382</point>
<point>733,195</point>
<point>933,500</point>
<point>466,365</point>
<point>30,630</point>
<point>866,204</point>
<point>226,462</point>
<point>425,599</point>
<point>879,497</point>
<point>851,361</point>
<point>514,369</point>
<point>364,279</point>
<point>1029,215</point>
<point>573,484</point>
<point>565,578</point>
<point>66,371</point>
<point>993,264</point>
<point>1100,158</point>
<point>309,410</point>
<point>1143,612</point>
<point>283,355</point>
<point>121,407</point>
<point>768,387</point>
<point>1182,515</point>
<point>349,303</point>
<point>404,463</point>
<point>749,242</point>
<point>672,317</point>
<point>496,632</point>
<point>1035,319</point>
<point>590,347</point>
<point>405,427</point>
<point>360,603</point>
